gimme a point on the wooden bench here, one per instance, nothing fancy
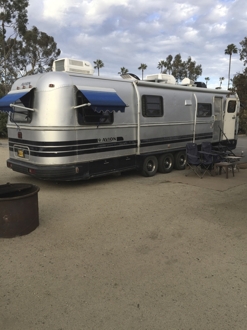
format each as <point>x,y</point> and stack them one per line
<point>226,166</point>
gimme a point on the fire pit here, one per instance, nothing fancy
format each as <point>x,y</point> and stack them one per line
<point>19,214</point>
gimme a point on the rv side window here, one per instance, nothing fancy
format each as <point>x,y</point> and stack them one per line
<point>152,106</point>
<point>204,110</point>
<point>21,115</point>
<point>231,106</point>
<point>87,116</point>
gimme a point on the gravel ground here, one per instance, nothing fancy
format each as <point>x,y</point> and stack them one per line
<point>129,252</point>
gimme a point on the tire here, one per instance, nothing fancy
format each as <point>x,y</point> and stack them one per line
<point>149,166</point>
<point>166,163</point>
<point>180,160</point>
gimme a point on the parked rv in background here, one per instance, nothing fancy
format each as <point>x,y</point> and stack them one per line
<point>71,125</point>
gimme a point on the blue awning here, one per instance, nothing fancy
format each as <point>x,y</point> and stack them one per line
<point>10,98</point>
<point>103,99</point>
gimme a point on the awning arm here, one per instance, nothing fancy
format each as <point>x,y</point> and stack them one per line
<point>82,105</point>
<point>21,107</point>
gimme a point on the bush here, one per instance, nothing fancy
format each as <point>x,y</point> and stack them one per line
<point>243,121</point>
<point>3,124</point>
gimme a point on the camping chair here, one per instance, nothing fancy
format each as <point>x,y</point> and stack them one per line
<point>193,159</point>
<point>209,158</point>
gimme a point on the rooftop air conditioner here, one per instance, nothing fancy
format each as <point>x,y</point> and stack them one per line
<point>161,78</point>
<point>70,65</point>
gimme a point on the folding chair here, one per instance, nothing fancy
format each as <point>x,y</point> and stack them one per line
<point>193,159</point>
<point>208,158</point>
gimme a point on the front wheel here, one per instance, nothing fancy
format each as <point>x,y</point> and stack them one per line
<point>150,166</point>
<point>166,163</point>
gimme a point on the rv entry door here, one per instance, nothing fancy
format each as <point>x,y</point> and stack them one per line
<point>230,119</point>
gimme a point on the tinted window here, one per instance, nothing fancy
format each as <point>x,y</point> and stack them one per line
<point>87,116</point>
<point>20,115</point>
<point>152,106</point>
<point>231,106</point>
<point>204,110</point>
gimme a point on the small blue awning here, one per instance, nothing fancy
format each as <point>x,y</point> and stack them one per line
<point>10,98</point>
<point>103,99</point>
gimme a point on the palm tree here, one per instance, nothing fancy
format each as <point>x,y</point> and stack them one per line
<point>161,65</point>
<point>168,64</point>
<point>207,79</point>
<point>142,67</point>
<point>123,70</point>
<point>231,49</point>
<point>98,65</point>
<point>221,79</point>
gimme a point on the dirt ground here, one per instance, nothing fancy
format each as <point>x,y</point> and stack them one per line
<point>128,252</point>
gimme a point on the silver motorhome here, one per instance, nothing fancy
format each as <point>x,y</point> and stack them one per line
<point>71,125</point>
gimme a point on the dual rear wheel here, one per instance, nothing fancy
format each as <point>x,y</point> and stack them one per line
<point>164,163</point>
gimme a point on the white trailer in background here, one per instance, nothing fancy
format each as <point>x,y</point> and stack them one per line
<point>71,125</point>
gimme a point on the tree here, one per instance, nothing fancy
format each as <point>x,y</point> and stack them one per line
<point>207,79</point>
<point>161,65</point>
<point>13,21</point>
<point>221,79</point>
<point>240,85</point>
<point>243,51</point>
<point>37,52</point>
<point>98,65</point>
<point>231,49</point>
<point>123,70</point>
<point>142,67</point>
<point>168,64</point>
<point>178,67</point>
<point>191,70</point>
<point>3,116</point>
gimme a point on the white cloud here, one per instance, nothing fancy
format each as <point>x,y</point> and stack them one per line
<point>127,32</point>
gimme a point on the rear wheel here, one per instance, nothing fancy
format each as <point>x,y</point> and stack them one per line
<point>150,166</point>
<point>166,163</point>
<point>180,160</point>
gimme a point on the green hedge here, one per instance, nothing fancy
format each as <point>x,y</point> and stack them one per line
<point>3,123</point>
<point>243,121</point>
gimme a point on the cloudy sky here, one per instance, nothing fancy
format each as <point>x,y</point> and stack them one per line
<point>126,33</point>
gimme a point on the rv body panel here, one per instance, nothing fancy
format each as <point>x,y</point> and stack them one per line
<point>57,139</point>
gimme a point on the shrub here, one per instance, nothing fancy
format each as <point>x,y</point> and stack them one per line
<point>3,124</point>
<point>243,121</point>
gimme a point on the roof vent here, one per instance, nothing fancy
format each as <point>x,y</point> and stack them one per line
<point>130,76</point>
<point>70,65</point>
<point>187,82</point>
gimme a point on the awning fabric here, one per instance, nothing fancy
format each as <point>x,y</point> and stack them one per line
<point>103,99</point>
<point>11,97</point>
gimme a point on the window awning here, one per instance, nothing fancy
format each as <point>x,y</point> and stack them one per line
<point>103,99</point>
<point>10,98</point>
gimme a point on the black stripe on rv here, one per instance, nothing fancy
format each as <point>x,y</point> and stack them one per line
<point>73,148</point>
<point>57,143</point>
<point>174,139</point>
<point>78,148</point>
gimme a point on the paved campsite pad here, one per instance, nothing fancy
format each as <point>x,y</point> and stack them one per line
<point>129,252</point>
